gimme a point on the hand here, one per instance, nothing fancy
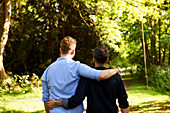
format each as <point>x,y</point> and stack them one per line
<point>59,103</point>
<point>51,103</point>
<point>119,73</point>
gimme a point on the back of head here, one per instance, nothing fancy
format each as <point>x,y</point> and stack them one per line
<point>67,43</point>
<point>101,54</point>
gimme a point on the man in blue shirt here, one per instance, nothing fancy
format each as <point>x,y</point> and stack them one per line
<point>101,95</point>
<point>60,79</point>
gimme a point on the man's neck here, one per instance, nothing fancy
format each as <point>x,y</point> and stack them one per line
<point>66,56</point>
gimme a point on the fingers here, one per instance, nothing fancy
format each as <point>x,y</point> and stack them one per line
<point>59,103</point>
<point>50,103</point>
<point>49,106</point>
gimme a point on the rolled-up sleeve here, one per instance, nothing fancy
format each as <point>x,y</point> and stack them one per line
<point>88,72</point>
<point>45,90</point>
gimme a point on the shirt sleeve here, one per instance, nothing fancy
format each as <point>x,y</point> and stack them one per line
<point>122,96</point>
<point>88,72</point>
<point>45,96</point>
<point>79,96</point>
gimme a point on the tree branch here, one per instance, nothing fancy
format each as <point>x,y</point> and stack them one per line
<point>81,14</point>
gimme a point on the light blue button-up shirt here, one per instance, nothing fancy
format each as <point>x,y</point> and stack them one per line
<point>60,80</point>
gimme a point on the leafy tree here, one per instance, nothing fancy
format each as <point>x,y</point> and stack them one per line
<point>37,29</point>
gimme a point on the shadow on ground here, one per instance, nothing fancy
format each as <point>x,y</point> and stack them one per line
<point>153,105</point>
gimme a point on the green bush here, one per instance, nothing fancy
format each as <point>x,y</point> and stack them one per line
<point>21,84</point>
<point>158,76</point>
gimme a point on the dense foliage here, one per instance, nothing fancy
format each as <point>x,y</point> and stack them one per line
<point>159,77</point>
<point>38,26</point>
<point>36,31</point>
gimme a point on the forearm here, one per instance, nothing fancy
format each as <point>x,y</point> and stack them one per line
<point>124,110</point>
<point>105,74</point>
<point>66,103</point>
<point>45,91</point>
<point>80,94</point>
<point>46,108</point>
<point>45,96</point>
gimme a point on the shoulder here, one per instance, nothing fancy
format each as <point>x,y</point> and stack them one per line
<point>117,76</point>
<point>77,62</point>
<point>74,62</point>
<point>52,64</point>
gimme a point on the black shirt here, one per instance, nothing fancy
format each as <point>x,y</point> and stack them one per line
<point>101,95</point>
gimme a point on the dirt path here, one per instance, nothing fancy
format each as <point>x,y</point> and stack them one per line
<point>127,82</point>
<point>22,100</point>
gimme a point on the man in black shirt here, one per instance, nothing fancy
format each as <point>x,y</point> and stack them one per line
<point>101,95</point>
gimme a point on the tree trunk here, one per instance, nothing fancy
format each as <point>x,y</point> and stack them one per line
<point>143,43</point>
<point>159,22</point>
<point>4,29</point>
<point>61,8</point>
<point>147,52</point>
<point>164,53</point>
<point>150,36</point>
<point>50,38</point>
<point>168,49</point>
<point>169,56</point>
<point>153,44</point>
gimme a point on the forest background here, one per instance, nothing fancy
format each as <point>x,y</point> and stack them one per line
<point>31,32</point>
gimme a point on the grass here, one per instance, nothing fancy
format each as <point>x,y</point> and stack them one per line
<point>35,93</point>
<point>140,100</point>
<point>22,107</point>
<point>18,102</point>
<point>147,101</point>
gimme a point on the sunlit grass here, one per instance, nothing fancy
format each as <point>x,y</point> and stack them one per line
<point>18,102</point>
<point>140,100</point>
<point>35,93</point>
<point>148,100</point>
<point>22,107</point>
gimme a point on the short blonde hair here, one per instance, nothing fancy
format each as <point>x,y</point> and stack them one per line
<point>67,43</point>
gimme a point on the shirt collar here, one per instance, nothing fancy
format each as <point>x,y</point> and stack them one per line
<point>100,68</point>
<point>63,58</point>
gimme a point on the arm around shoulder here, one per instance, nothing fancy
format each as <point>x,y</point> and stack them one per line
<point>105,74</point>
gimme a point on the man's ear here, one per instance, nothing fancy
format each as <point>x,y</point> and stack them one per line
<point>73,51</point>
<point>93,60</point>
<point>60,50</point>
<point>107,60</point>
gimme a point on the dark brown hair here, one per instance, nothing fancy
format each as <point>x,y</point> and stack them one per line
<point>67,43</point>
<point>101,54</point>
